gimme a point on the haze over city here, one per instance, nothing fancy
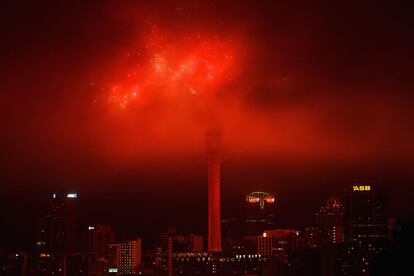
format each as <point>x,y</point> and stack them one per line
<point>113,101</point>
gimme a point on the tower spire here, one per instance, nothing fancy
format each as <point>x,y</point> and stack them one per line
<point>214,166</point>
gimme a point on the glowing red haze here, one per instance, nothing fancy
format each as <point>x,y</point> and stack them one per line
<point>166,66</point>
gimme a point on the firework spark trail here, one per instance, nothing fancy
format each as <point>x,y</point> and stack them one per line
<point>193,64</point>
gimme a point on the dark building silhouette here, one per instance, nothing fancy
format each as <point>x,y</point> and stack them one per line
<point>61,224</point>
<point>13,262</point>
<point>58,228</point>
<point>365,224</point>
<point>231,229</point>
<point>396,259</point>
<point>172,243</point>
<point>329,222</point>
<point>322,261</point>
<point>57,234</point>
<point>99,237</point>
<point>260,213</point>
<point>310,237</point>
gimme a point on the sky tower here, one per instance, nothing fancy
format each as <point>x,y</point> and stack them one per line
<point>214,160</point>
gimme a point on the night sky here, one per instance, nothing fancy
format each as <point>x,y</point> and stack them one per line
<point>310,98</point>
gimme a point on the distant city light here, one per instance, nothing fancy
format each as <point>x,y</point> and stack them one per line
<point>253,199</point>
<point>54,195</point>
<point>72,195</point>
<point>113,270</point>
<point>91,228</point>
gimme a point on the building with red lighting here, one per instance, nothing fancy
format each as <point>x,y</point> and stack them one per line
<point>125,257</point>
<point>99,237</point>
<point>214,167</point>
<point>278,242</point>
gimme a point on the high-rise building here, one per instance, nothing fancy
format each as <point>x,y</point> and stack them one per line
<point>99,237</point>
<point>260,213</point>
<point>57,230</point>
<point>125,257</point>
<point>214,166</point>
<point>365,224</point>
<point>57,233</point>
<point>329,222</point>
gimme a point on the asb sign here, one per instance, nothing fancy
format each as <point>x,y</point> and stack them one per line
<point>361,188</point>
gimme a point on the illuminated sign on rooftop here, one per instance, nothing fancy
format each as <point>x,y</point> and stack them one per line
<point>113,270</point>
<point>72,195</point>
<point>91,228</point>
<point>261,198</point>
<point>361,188</point>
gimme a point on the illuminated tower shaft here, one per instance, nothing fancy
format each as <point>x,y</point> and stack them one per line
<point>214,160</point>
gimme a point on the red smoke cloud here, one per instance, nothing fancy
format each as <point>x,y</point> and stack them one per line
<point>146,81</point>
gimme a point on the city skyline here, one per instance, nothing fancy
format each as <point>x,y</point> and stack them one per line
<point>357,221</point>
